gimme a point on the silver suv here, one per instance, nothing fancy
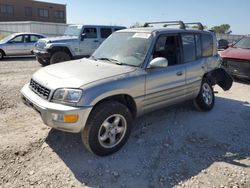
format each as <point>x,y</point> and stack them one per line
<point>133,72</point>
<point>78,41</point>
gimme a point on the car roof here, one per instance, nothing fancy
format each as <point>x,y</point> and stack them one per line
<point>81,25</point>
<point>28,33</point>
<point>163,30</point>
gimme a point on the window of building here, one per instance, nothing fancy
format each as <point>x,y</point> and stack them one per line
<point>188,43</point>
<point>90,32</point>
<point>105,32</point>
<point>59,14</point>
<point>43,12</point>
<point>28,11</point>
<point>6,9</point>
<point>207,45</point>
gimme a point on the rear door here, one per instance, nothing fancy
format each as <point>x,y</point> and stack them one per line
<point>90,42</point>
<point>29,43</point>
<point>196,65</point>
<point>105,32</point>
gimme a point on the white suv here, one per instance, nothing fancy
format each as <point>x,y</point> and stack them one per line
<point>78,41</point>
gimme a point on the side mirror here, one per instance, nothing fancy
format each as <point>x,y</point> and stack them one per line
<point>83,35</point>
<point>159,62</point>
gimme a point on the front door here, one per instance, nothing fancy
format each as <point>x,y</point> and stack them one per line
<point>165,86</point>
<point>15,46</point>
<point>90,42</point>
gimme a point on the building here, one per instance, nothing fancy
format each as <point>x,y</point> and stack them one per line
<point>29,10</point>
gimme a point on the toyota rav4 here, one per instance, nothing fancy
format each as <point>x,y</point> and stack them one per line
<point>133,72</point>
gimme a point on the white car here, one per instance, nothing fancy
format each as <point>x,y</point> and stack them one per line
<point>19,44</point>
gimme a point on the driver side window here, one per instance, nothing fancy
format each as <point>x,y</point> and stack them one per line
<point>168,47</point>
<point>90,32</point>
<point>18,39</point>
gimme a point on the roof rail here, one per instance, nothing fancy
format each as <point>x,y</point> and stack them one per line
<point>180,23</point>
<point>200,26</point>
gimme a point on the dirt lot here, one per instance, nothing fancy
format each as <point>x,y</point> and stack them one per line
<point>177,146</point>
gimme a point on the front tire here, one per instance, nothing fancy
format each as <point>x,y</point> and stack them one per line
<point>205,100</point>
<point>42,62</point>
<point>59,56</point>
<point>107,129</point>
<point>1,54</point>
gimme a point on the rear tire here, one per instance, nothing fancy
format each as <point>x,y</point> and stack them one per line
<point>59,56</point>
<point>107,129</point>
<point>42,62</point>
<point>205,100</point>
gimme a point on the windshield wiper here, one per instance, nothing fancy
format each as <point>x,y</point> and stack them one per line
<point>107,59</point>
<point>111,60</point>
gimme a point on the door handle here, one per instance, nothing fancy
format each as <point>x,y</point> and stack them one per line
<point>96,40</point>
<point>180,73</point>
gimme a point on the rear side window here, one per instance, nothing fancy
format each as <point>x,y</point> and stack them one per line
<point>198,45</point>
<point>105,32</point>
<point>90,32</point>
<point>207,45</point>
<point>188,43</point>
<point>34,38</point>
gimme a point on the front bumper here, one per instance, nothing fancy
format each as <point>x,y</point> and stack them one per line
<point>46,109</point>
<point>41,54</point>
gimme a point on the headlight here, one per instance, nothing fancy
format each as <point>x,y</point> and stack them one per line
<point>67,95</point>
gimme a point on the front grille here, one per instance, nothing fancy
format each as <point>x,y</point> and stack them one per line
<point>40,45</point>
<point>39,89</point>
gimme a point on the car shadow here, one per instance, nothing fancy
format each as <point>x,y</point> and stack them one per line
<point>242,80</point>
<point>166,147</point>
<point>20,58</point>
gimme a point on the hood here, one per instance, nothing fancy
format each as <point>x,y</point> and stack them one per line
<point>236,53</point>
<point>58,39</point>
<point>77,73</point>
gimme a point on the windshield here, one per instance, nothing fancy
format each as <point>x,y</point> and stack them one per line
<point>73,30</point>
<point>127,48</point>
<point>243,43</point>
<point>6,39</point>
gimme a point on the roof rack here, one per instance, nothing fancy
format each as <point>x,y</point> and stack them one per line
<point>180,23</point>
<point>200,26</point>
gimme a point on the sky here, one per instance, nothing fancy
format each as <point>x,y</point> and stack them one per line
<point>236,13</point>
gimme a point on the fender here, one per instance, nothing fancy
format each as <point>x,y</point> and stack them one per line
<point>220,77</point>
<point>60,45</point>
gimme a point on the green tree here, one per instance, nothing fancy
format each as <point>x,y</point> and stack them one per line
<point>223,28</point>
<point>136,25</point>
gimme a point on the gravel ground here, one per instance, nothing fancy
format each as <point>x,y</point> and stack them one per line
<point>174,147</point>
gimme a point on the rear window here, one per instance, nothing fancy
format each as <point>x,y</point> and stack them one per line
<point>105,32</point>
<point>207,45</point>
